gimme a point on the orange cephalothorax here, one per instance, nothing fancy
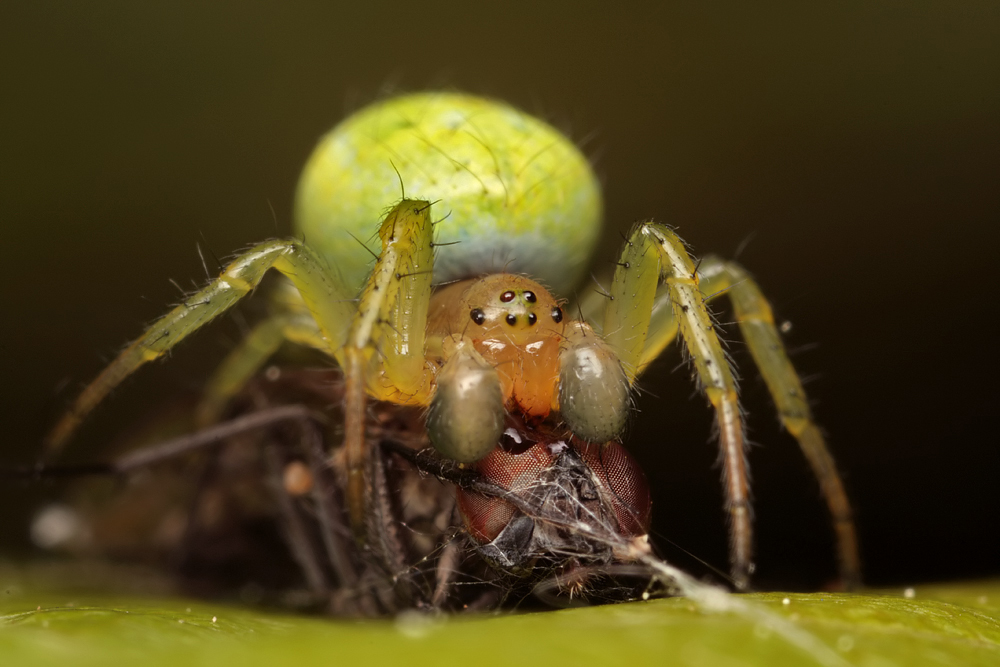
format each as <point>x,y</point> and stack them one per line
<point>517,327</point>
<point>506,351</point>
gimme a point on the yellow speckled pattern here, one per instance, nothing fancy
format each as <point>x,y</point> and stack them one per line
<point>513,191</point>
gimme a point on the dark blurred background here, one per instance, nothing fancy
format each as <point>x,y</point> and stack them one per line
<point>853,148</point>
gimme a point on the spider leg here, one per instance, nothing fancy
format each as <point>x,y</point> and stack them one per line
<point>384,353</point>
<point>653,252</point>
<point>320,288</point>
<point>756,322</point>
<point>720,278</point>
<point>662,328</point>
<point>250,355</point>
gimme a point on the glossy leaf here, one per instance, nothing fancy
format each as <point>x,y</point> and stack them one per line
<point>47,620</point>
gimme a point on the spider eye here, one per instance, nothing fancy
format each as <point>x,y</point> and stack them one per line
<point>530,297</point>
<point>507,296</point>
<point>511,320</point>
<point>557,314</point>
<point>532,318</point>
<point>477,315</point>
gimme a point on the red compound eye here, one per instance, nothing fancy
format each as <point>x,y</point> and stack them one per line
<point>484,516</point>
<point>622,476</point>
<point>623,485</point>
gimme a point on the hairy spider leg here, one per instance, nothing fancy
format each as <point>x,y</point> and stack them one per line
<point>320,286</point>
<point>653,252</point>
<point>379,343</point>
<point>756,322</point>
<point>384,353</point>
<point>720,278</point>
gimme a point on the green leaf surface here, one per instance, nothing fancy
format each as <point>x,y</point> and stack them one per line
<point>51,617</point>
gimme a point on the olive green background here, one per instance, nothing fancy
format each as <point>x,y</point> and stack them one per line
<point>855,145</point>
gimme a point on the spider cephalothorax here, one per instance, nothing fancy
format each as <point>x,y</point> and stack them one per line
<point>446,320</point>
<point>508,349</point>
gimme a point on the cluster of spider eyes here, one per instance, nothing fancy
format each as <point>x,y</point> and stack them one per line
<point>478,316</point>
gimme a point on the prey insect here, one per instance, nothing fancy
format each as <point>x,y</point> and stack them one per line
<point>446,338</point>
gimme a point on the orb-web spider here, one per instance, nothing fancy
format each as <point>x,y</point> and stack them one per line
<point>436,319</point>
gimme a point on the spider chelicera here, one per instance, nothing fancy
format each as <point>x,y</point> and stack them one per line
<point>437,319</point>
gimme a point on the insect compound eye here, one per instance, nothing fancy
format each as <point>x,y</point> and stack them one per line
<point>621,475</point>
<point>530,297</point>
<point>477,315</point>
<point>532,318</point>
<point>557,314</point>
<point>511,319</point>
<point>507,296</point>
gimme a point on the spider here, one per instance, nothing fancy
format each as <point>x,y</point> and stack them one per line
<point>447,318</point>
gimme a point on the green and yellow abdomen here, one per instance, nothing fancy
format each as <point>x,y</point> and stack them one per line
<point>510,192</point>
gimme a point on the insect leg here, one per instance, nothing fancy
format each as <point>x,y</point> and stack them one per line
<point>756,324</point>
<point>386,538</point>
<point>320,289</point>
<point>293,528</point>
<point>208,437</point>
<point>653,252</point>
<point>447,567</point>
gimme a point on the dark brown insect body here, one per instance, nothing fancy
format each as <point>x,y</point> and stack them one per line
<point>260,514</point>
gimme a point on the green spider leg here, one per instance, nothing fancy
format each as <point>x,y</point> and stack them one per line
<point>756,322</point>
<point>320,287</point>
<point>250,355</point>
<point>383,356</point>
<point>378,340</point>
<point>653,252</point>
<point>641,320</point>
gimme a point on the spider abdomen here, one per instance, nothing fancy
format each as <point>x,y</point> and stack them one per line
<point>512,188</point>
